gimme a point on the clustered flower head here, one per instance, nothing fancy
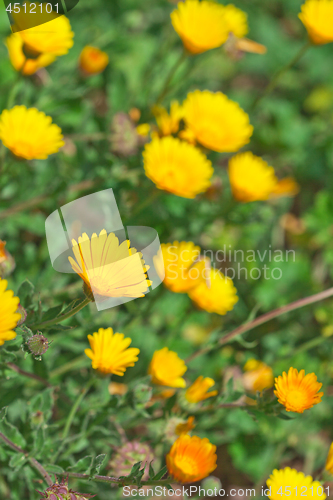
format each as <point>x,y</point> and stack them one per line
<point>9,317</point>
<point>297,391</point>
<point>37,47</point>
<point>29,133</point>
<point>110,352</point>
<point>129,454</point>
<point>93,60</point>
<point>252,179</point>
<point>317,17</point>
<point>191,459</point>
<point>258,376</point>
<point>109,268</point>
<point>289,483</point>
<point>61,491</point>
<point>166,368</point>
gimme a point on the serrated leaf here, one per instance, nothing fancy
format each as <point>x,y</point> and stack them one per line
<point>83,465</point>
<point>54,469</point>
<point>161,473</point>
<point>52,313</point>
<point>12,433</point>
<point>25,293</point>
<point>135,469</point>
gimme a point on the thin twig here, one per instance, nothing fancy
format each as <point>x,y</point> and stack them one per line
<point>115,480</point>
<point>17,369</point>
<point>264,319</point>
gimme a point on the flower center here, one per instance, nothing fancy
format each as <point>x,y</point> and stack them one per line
<point>297,398</point>
<point>187,465</point>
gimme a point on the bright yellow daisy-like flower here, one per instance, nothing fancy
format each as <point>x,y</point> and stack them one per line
<point>290,484</point>
<point>191,459</point>
<point>8,315</point>
<point>29,133</point>
<point>177,167</point>
<point>198,391</point>
<point>258,376</point>
<point>216,122</point>
<point>166,368</point>
<point>168,123</point>
<point>183,268</point>
<point>110,353</point>
<point>109,269</point>
<point>218,296</point>
<point>317,17</point>
<point>296,391</point>
<point>252,179</point>
<point>236,21</point>
<point>53,37</point>
<point>22,63</point>
<point>93,60</point>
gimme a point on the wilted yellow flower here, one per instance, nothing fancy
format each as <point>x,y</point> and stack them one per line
<point>116,389</point>
<point>288,483</point>
<point>109,269</point>
<point>8,315</point>
<point>252,179</point>
<point>176,426</point>
<point>168,123</point>
<point>53,37</point>
<point>185,427</point>
<point>177,167</point>
<point>297,391</point>
<point>329,460</point>
<point>29,133</point>
<point>183,267</point>
<point>217,122</point>
<point>258,376</point>
<point>191,459</point>
<point>27,66</point>
<point>317,17</point>
<point>166,368</point>
<point>93,60</point>
<point>110,353</point>
<point>218,295</point>
<point>198,391</point>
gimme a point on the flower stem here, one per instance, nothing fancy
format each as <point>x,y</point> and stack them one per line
<point>171,74</point>
<point>264,319</point>
<point>75,407</point>
<point>33,462</point>
<point>116,480</point>
<point>276,78</point>
<point>62,317</point>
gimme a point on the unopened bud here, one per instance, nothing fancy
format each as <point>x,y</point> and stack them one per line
<point>38,344</point>
<point>60,491</point>
<point>23,313</point>
<point>7,262</point>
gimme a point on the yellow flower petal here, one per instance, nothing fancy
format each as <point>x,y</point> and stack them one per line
<point>166,368</point>
<point>296,391</point>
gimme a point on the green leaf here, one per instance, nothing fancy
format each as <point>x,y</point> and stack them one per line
<point>97,464</point>
<point>39,440</point>
<point>161,473</point>
<point>151,471</point>
<point>17,461</point>
<point>83,465</point>
<point>54,469</point>
<point>71,306</point>
<point>42,402</point>
<point>25,293</point>
<point>40,368</point>
<point>52,313</point>
<point>7,356</point>
<point>135,469</point>
<point>12,433</point>
<point>3,412</point>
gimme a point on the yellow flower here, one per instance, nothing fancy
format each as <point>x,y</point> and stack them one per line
<point>53,37</point>
<point>218,296</point>
<point>236,21</point>
<point>329,461</point>
<point>198,391</point>
<point>168,123</point>
<point>29,133</point>
<point>8,315</point>
<point>109,269</point>
<point>26,65</point>
<point>296,391</point>
<point>143,129</point>
<point>200,25</point>
<point>182,265</point>
<point>110,353</point>
<point>258,376</point>
<point>166,368</point>
<point>317,17</point>
<point>290,484</point>
<point>217,122</point>
<point>191,459</point>
<point>177,167</point>
<point>93,60</point>
<point>252,179</point>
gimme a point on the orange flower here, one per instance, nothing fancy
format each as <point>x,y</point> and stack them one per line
<point>93,60</point>
<point>191,459</point>
<point>198,391</point>
<point>297,391</point>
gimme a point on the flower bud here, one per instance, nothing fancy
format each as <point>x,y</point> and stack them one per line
<point>60,491</point>
<point>7,262</point>
<point>38,344</point>
<point>93,60</point>
<point>124,138</point>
